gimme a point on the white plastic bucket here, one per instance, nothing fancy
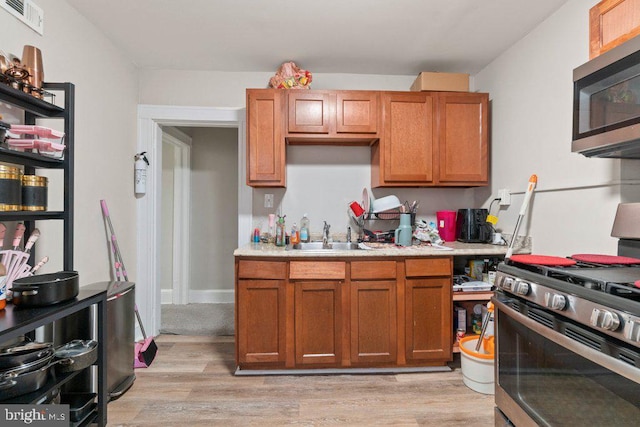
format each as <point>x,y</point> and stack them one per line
<point>477,366</point>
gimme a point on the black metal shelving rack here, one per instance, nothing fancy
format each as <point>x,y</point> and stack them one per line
<point>35,108</point>
<point>25,320</point>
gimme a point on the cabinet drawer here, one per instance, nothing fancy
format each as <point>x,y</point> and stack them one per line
<point>428,267</point>
<point>262,269</point>
<point>372,270</point>
<point>317,270</point>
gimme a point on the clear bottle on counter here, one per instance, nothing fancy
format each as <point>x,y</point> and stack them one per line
<point>305,235</point>
<point>280,232</point>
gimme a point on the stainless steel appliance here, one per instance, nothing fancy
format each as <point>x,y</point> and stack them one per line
<point>606,104</point>
<point>568,338</point>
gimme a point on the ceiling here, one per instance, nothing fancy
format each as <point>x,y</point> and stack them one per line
<point>388,37</point>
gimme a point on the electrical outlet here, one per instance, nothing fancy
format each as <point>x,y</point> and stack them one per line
<point>505,197</point>
<point>268,200</point>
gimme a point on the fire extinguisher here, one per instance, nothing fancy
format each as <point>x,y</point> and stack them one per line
<point>141,164</point>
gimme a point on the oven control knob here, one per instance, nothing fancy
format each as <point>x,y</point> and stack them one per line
<point>605,319</point>
<point>632,331</point>
<point>555,301</point>
<point>507,283</point>
<point>522,288</point>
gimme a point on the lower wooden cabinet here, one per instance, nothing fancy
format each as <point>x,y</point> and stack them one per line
<point>343,313</point>
<point>318,323</point>
<point>261,322</point>
<point>428,325</point>
<point>428,305</point>
<point>373,323</point>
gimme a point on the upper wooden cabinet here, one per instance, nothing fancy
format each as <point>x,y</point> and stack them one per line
<point>418,139</point>
<point>404,155</point>
<point>462,139</point>
<point>328,117</point>
<point>265,138</point>
<point>432,139</point>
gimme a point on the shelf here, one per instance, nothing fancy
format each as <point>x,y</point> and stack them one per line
<point>29,159</point>
<point>30,215</point>
<point>54,380</point>
<point>29,103</point>
<point>472,296</point>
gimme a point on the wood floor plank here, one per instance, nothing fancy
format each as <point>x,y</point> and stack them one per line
<point>191,382</point>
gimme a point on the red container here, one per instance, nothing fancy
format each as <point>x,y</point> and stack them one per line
<point>446,221</point>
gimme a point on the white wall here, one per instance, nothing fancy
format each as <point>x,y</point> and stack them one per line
<point>530,88</point>
<point>214,212</point>
<point>105,125</point>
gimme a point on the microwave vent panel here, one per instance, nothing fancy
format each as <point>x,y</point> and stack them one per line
<point>27,12</point>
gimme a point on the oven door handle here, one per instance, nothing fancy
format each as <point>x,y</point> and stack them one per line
<point>610,363</point>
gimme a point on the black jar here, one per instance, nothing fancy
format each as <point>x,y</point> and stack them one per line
<point>34,193</point>
<point>10,193</point>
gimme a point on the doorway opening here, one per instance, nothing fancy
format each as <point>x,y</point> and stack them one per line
<point>152,120</point>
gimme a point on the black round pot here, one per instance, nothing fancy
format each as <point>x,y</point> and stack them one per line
<point>45,289</point>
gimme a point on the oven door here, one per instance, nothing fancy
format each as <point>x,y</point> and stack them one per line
<point>546,378</point>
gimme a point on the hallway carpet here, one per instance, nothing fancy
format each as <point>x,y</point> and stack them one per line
<point>197,319</point>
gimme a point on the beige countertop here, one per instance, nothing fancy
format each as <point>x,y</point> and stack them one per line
<point>452,249</point>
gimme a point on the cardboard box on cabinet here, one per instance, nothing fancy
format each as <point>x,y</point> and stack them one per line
<point>448,82</point>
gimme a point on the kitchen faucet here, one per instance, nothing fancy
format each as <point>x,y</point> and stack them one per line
<point>349,234</point>
<point>325,234</point>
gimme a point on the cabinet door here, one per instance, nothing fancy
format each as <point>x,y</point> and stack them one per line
<point>309,112</point>
<point>428,308</point>
<point>356,112</point>
<point>265,138</point>
<point>406,146</point>
<point>462,138</point>
<point>318,323</point>
<point>373,322</point>
<point>261,315</point>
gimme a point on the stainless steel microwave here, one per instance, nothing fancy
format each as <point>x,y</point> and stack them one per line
<point>606,104</point>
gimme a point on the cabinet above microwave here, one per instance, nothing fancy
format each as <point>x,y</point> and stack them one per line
<point>606,104</point>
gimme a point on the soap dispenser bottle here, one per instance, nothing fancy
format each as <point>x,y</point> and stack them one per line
<point>304,229</point>
<point>280,231</point>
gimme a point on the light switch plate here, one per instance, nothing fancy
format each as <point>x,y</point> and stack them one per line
<point>268,200</point>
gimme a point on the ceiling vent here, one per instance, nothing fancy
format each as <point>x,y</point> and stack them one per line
<point>27,12</point>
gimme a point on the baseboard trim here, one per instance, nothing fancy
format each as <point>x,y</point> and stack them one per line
<point>213,296</point>
<point>338,371</point>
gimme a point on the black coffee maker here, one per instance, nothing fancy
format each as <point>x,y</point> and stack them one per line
<point>472,226</point>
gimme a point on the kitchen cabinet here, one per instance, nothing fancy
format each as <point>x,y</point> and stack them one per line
<point>265,138</point>
<point>417,139</point>
<point>261,313</point>
<point>346,312</point>
<point>432,139</point>
<point>327,117</point>
<point>462,137</point>
<point>373,313</point>
<point>404,155</point>
<point>318,312</point>
<point>428,308</point>
<point>611,23</point>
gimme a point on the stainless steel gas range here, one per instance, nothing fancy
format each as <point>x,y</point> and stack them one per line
<point>568,338</point>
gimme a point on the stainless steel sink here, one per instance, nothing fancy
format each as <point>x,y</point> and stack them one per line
<point>319,246</point>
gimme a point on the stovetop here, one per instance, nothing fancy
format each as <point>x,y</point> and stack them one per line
<point>619,280</point>
<point>603,298</point>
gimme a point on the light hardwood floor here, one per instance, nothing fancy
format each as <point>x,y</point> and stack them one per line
<point>191,383</point>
